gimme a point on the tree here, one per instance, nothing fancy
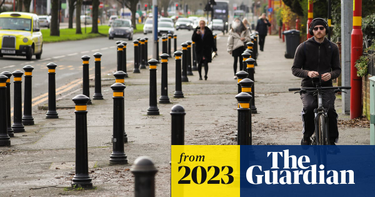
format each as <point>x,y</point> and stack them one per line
<point>19,5</point>
<point>72,5</point>
<point>55,18</point>
<point>27,5</point>
<point>164,6</point>
<point>132,6</point>
<point>95,14</point>
<point>78,17</point>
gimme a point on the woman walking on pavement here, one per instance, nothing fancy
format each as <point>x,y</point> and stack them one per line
<point>238,36</point>
<point>262,29</point>
<point>204,44</point>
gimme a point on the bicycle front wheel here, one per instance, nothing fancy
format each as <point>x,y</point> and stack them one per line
<point>323,130</point>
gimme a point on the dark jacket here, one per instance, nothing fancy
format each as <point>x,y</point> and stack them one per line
<point>262,27</point>
<point>313,56</point>
<point>205,46</point>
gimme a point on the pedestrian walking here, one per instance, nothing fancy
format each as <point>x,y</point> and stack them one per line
<point>262,29</point>
<point>204,44</point>
<point>317,58</point>
<point>238,36</point>
<point>246,24</point>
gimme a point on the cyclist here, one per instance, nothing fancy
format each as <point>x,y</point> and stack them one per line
<point>317,57</point>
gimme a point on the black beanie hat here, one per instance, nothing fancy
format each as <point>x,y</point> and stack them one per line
<point>319,21</point>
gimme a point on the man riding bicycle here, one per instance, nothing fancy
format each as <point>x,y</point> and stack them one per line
<point>317,57</point>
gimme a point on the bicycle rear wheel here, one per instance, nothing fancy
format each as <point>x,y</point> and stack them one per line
<point>323,130</point>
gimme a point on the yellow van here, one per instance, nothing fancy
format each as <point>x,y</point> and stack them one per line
<point>20,35</point>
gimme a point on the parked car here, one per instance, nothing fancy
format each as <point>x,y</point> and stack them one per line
<point>111,19</point>
<point>86,19</point>
<point>217,24</point>
<point>20,35</point>
<point>165,28</point>
<point>44,21</point>
<point>121,28</point>
<point>147,28</point>
<point>168,20</point>
<point>184,23</point>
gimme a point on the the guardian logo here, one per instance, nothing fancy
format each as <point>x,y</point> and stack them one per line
<point>296,171</point>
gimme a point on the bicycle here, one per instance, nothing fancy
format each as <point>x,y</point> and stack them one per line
<point>320,136</point>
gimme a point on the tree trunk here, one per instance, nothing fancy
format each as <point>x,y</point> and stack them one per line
<point>78,17</point>
<point>134,19</point>
<point>19,5</point>
<point>95,14</point>
<point>71,13</point>
<point>55,18</point>
<point>27,5</point>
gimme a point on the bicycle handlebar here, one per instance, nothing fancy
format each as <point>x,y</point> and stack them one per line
<point>320,88</point>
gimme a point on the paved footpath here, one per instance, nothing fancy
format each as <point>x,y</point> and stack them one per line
<point>41,160</point>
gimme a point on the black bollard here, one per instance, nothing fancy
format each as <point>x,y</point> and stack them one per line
<point>249,45</point>
<point>4,137</point>
<point>81,177</point>
<point>17,111</point>
<point>157,49</point>
<point>164,79</point>
<point>169,45</point>
<point>9,125</point>
<point>27,118</point>
<point>189,69</point>
<point>241,75</point>
<point>51,113</point>
<point>136,57</point>
<point>175,42</point>
<point>178,87</point>
<point>86,80</point>
<point>124,62</point>
<point>215,41</point>
<point>120,49</point>
<point>120,78</point>
<point>250,69</point>
<point>256,45</point>
<point>144,177</point>
<point>244,113</point>
<point>184,77</point>
<point>118,155</point>
<point>146,52</point>
<point>142,52</point>
<point>98,77</point>
<point>178,125</point>
<point>164,40</point>
<point>245,55</point>
<point>195,68</point>
<point>246,86</point>
<point>153,109</point>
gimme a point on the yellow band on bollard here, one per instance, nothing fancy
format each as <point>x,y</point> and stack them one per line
<point>250,56</point>
<point>164,60</point>
<point>164,40</point>
<point>251,48</point>
<point>118,94</point>
<point>177,57</point>
<point>238,80</point>
<point>85,62</point>
<point>17,78</point>
<point>142,42</point>
<point>175,37</point>
<point>28,73</point>
<point>310,15</point>
<point>169,37</point>
<point>250,66</point>
<point>153,67</point>
<point>184,48</point>
<point>244,59</point>
<point>135,45</point>
<point>246,89</point>
<point>357,21</point>
<point>3,84</point>
<point>81,107</point>
<point>120,80</point>
<point>51,70</point>
<point>189,46</point>
<point>97,59</point>
<point>193,42</point>
<point>243,105</point>
<point>248,47</point>
<point>120,49</point>
<point>8,80</point>
<point>329,22</point>
<point>146,40</point>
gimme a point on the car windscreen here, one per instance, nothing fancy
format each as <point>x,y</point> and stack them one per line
<point>165,25</point>
<point>149,21</point>
<point>15,24</point>
<point>183,20</point>
<point>121,23</point>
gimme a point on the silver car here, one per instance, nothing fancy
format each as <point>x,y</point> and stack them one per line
<point>184,23</point>
<point>44,21</point>
<point>147,28</point>
<point>165,28</point>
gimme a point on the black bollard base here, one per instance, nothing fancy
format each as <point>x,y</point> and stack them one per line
<point>10,132</point>
<point>195,67</point>
<point>164,99</point>
<point>52,114</point>
<point>143,66</point>
<point>136,71</point>
<point>97,96</point>
<point>126,75</point>
<point>83,181</point>
<point>4,140</point>
<point>27,120</point>
<point>153,110</point>
<point>178,94</point>
<point>125,138</point>
<point>18,128</point>
<point>253,109</point>
<point>189,72</point>
<point>184,79</point>
<point>118,158</point>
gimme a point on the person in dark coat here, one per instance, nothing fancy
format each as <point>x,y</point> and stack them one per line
<point>262,29</point>
<point>204,44</point>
